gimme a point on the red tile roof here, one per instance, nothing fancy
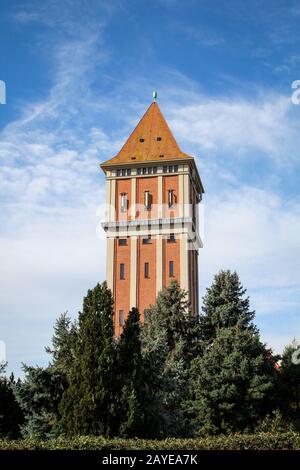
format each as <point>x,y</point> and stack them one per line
<point>151,140</point>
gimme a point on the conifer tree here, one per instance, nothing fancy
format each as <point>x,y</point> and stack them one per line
<point>170,338</point>
<point>131,378</point>
<point>41,390</point>
<point>224,305</point>
<point>290,378</point>
<point>11,416</point>
<point>63,345</point>
<point>39,396</point>
<point>88,405</point>
<point>233,383</point>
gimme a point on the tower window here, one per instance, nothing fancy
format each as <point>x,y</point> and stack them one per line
<point>142,140</point>
<point>171,268</point>
<point>171,238</point>
<point>123,202</point>
<point>165,169</point>
<point>122,271</point>
<point>118,172</point>
<point>128,171</point>
<point>176,168</point>
<point>147,200</point>
<point>123,172</point>
<point>144,171</point>
<point>146,270</point>
<point>139,170</point>
<point>171,198</point>
<point>155,169</point>
<point>122,241</point>
<point>121,318</point>
<point>161,156</point>
<point>158,139</point>
<point>147,241</point>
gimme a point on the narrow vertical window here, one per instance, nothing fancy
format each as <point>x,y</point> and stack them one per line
<point>123,202</point>
<point>147,200</point>
<point>171,197</point>
<point>146,270</point>
<point>121,317</point>
<point>122,271</point>
<point>171,238</point>
<point>171,268</point>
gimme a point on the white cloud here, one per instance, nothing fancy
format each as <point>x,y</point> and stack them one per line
<point>237,125</point>
<point>255,233</point>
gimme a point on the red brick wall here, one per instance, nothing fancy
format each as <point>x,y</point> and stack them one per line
<point>122,286</point>
<point>146,184</point>
<point>171,252</point>
<point>146,294</point>
<point>170,182</point>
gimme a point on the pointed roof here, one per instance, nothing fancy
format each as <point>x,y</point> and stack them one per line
<point>151,139</point>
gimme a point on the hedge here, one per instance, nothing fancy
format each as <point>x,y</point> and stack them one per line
<point>261,441</point>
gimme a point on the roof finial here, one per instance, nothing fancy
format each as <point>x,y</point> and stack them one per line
<point>154,95</point>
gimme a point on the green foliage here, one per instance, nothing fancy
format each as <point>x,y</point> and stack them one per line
<point>39,397</point>
<point>88,405</point>
<point>11,416</point>
<point>170,339</point>
<point>224,306</point>
<point>130,378</point>
<point>40,393</point>
<point>234,383</point>
<point>275,423</point>
<point>173,376</point>
<point>258,441</point>
<point>63,345</point>
<point>290,378</point>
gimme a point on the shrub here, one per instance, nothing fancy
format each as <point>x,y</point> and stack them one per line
<point>260,441</point>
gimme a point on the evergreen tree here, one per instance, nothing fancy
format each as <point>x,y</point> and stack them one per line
<point>290,378</point>
<point>233,383</point>
<point>224,306</point>
<point>131,378</point>
<point>63,345</point>
<point>88,405</point>
<point>39,396</point>
<point>11,416</point>
<point>170,338</point>
<point>40,393</point>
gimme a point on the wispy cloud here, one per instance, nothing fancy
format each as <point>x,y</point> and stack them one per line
<point>200,36</point>
<point>241,124</point>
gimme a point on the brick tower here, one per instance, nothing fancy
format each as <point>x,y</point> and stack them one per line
<point>152,193</point>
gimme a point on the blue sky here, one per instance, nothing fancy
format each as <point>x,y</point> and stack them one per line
<point>79,75</point>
